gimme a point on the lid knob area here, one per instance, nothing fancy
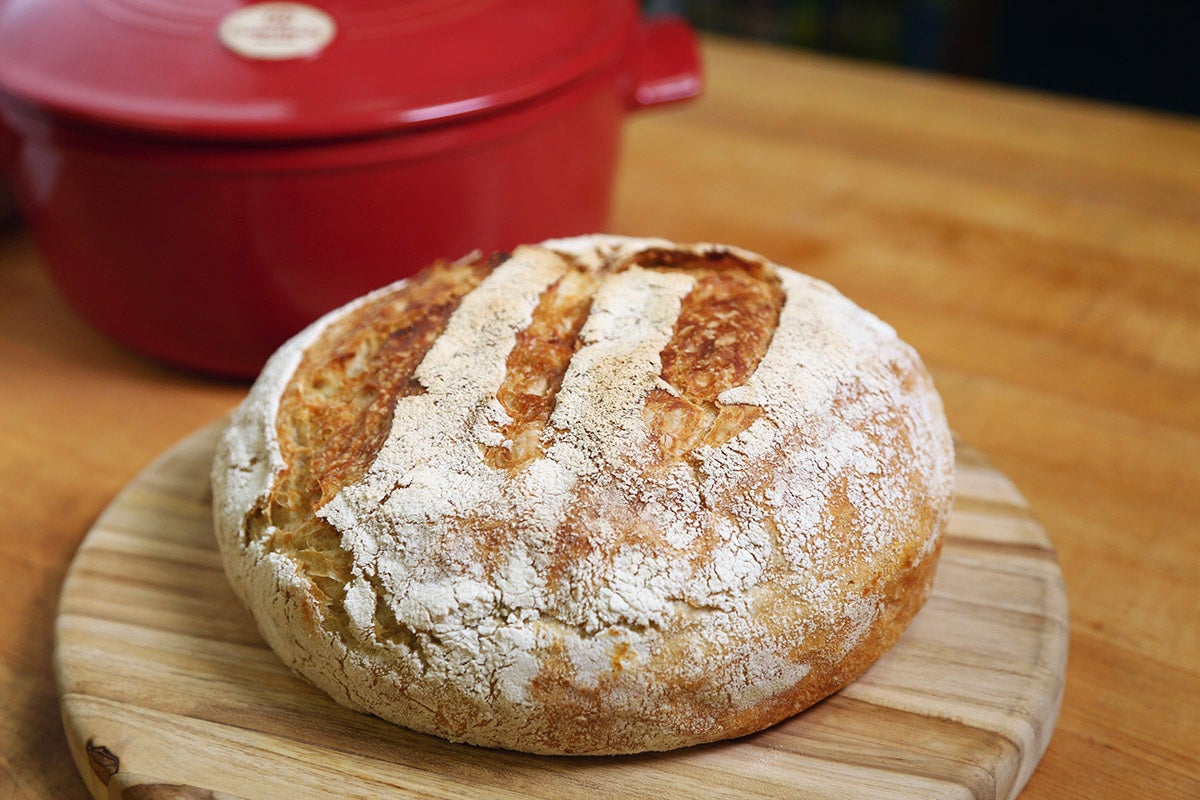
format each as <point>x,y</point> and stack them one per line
<point>277,31</point>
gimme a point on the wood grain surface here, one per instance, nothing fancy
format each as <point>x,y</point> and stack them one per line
<point>165,683</point>
<point>1042,254</point>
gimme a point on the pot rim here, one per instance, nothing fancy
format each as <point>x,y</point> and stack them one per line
<point>73,66</point>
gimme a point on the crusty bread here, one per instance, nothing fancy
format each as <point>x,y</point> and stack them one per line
<point>603,495</point>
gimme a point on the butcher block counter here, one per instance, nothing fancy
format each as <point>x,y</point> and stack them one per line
<point>1041,253</point>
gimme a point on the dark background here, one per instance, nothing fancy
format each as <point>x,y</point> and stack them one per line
<point>1143,53</point>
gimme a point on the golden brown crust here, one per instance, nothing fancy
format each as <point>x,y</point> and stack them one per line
<point>338,405</point>
<point>601,496</point>
<point>537,364</point>
<point>337,408</point>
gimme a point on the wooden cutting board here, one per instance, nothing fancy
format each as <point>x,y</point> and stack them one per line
<point>167,691</point>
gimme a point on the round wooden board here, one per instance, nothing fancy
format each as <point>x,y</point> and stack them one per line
<point>167,690</point>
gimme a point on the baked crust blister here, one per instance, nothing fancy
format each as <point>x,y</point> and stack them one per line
<point>601,495</point>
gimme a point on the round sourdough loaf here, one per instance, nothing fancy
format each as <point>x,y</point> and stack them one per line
<point>601,495</point>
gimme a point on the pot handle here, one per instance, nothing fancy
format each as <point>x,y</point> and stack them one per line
<point>666,63</point>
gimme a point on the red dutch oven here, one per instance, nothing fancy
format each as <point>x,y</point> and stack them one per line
<point>203,178</point>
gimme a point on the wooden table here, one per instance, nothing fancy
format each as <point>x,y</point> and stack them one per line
<point>1042,254</point>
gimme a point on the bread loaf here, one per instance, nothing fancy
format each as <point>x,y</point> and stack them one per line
<point>600,495</point>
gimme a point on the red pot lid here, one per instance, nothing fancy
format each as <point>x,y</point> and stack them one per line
<point>228,69</point>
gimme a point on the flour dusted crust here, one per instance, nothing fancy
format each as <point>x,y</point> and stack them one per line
<point>601,495</point>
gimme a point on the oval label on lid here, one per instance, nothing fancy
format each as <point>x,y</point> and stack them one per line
<point>277,31</point>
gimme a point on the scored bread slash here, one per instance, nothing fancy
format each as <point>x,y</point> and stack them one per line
<point>599,495</point>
